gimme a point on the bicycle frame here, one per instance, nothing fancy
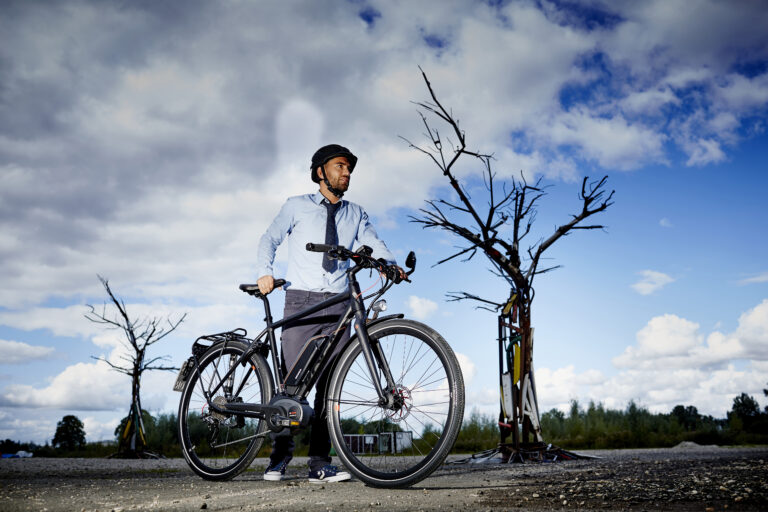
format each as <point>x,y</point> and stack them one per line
<point>307,377</point>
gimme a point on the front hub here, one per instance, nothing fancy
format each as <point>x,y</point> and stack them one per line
<point>401,403</point>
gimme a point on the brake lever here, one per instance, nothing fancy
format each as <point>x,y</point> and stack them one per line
<point>337,254</point>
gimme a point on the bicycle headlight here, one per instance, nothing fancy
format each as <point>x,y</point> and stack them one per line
<point>379,306</point>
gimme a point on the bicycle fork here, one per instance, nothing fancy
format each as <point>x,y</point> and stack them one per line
<point>373,354</point>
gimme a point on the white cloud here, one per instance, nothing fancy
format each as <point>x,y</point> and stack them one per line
<point>664,338</point>
<point>752,332</point>
<point>91,387</point>
<point>468,368</point>
<point>704,151</point>
<point>649,101</point>
<point>652,281</point>
<point>13,426</point>
<point>671,364</point>
<point>711,391</point>
<point>759,278</point>
<point>67,321</point>
<point>665,223</point>
<point>613,142</point>
<point>739,93</point>
<point>482,400</point>
<point>70,321</point>
<point>420,307</point>
<point>16,352</point>
<point>80,387</point>
<point>556,388</point>
<point>97,430</point>
<point>668,341</point>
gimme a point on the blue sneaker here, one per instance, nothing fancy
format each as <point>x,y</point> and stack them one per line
<point>328,474</point>
<point>276,472</point>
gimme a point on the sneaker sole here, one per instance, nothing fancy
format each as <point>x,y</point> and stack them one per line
<point>337,478</point>
<point>273,478</point>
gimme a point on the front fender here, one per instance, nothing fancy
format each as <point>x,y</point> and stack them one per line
<point>370,323</point>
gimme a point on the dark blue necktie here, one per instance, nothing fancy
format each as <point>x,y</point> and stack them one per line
<point>331,237</point>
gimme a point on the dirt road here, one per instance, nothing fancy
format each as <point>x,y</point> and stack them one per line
<point>683,478</point>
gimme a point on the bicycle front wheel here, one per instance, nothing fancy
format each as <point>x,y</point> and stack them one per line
<point>402,444</point>
<point>218,446</point>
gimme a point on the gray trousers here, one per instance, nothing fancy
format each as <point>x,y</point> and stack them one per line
<point>293,339</point>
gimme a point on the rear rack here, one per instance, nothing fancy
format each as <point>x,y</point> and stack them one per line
<point>199,347</point>
<point>204,343</point>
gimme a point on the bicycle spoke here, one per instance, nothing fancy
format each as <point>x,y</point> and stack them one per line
<point>357,396</point>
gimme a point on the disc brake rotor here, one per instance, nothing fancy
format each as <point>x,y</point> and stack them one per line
<point>403,403</point>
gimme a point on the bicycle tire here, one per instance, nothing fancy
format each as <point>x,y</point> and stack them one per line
<point>219,447</point>
<point>397,448</point>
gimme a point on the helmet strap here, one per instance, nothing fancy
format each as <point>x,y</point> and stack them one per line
<point>338,193</point>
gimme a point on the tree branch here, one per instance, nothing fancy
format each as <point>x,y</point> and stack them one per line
<point>459,296</point>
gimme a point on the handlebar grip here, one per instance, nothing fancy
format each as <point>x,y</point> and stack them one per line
<point>318,247</point>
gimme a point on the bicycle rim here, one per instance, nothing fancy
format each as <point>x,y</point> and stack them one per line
<point>219,447</point>
<point>397,447</point>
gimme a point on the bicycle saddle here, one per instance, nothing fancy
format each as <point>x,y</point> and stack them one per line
<point>253,289</point>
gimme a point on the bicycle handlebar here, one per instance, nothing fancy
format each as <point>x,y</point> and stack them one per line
<point>320,247</point>
<point>362,259</point>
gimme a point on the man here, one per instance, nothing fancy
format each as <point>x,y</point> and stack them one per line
<point>312,277</point>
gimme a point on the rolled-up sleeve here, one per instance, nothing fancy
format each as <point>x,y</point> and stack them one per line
<point>271,239</point>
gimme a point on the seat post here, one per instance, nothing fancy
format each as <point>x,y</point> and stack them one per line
<point>267,310</point>
<point>272,343</point>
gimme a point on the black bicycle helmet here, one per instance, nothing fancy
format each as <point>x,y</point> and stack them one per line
<point>325,153</point>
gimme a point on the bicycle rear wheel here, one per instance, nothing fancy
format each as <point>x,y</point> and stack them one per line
<point>401,445</point>
<point>217,446</point>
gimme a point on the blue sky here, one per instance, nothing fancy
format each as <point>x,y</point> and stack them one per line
<point>152,143</point>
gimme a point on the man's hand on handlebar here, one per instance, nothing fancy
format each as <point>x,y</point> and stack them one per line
<point>393,272</point>
<point>266,284</point>
<point>400,274</point>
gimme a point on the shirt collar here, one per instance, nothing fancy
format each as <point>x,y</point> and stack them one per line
<point>319,198</point>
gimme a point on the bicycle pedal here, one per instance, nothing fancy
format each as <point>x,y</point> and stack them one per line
<point>282,421</point>
<point>239,420</point>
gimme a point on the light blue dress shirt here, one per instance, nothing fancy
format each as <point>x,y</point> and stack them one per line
<point>302,219</point>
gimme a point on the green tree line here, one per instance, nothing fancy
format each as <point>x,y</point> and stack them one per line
<point>582,427</point>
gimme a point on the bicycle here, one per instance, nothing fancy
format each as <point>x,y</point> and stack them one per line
<point>395,397</point>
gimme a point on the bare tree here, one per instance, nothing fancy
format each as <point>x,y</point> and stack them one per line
<point>139,336</point>
<point>497,227</point>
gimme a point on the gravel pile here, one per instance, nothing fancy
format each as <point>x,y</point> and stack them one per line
<point>682,478</point>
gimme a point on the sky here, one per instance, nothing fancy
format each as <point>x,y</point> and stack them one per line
<point>152,142</point>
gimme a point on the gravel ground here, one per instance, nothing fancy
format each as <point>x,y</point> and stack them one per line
<point>683,478</point>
